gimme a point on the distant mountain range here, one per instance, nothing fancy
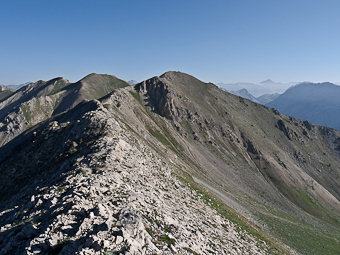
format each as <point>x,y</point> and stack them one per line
<point>5,92</point>
<point>258,89</point>
<point>132,82</point>
<point>16,87</point>
<point>245,94</point>
<point>318,103</point>
<point>264,99</point>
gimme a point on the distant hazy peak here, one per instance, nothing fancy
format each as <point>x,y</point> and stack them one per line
<point>314,86</point>
<point>317,84</point>
<point>316,102</point>
<point>4,88</point>
<point>267,81</point>
<point>243,90</point>
<point>16,87</point>
<point>245,94</point>
<point>132,82</point>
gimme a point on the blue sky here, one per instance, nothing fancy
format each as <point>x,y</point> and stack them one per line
<point>218,41</point>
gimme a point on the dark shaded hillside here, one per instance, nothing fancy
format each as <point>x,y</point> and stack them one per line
<point>317,103</point>
<point>266,98</point>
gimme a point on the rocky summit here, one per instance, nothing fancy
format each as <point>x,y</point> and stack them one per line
<point>171,165</point>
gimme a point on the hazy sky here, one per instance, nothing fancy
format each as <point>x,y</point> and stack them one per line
<point>218,41</point>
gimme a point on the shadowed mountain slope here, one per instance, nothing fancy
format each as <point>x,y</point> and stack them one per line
<point>266,98</point>
<point>279,172</point>
<point>318,103</point>
<point>38,101</point>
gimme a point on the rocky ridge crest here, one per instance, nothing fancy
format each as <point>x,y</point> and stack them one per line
<point>120,197</point>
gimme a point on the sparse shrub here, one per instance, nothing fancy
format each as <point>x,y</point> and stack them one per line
<point>149,230</point>
<point>189,250</point>
<point>166,239</point>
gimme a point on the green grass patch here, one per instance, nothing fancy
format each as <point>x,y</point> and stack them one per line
<point>72,150</point>
<point>186,126</point>
<point>26,112</point>
<point>149,230</point>
<point>241,223</point>
<point>167,229</point>
<point>136,96</point>
<point>160,137</point>
<point>166,239</point>
<point>306,199</point>
<point>298,234</point>
<point>286,120</point>
<point>58,87</point>
<point>314,208</point>
<point>165,137</point>
<point>305,239</point>
<point>189,250</point>
<point>60,188</point>
<point>5,94</point>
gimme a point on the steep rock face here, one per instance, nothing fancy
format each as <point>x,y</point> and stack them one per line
<point>107,191</point>
<point>159,96</point>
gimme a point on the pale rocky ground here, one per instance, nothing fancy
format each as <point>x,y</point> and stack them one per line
<point>122,198</point>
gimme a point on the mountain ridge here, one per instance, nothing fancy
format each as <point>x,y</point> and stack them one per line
<point>258,89</point>
<point>38,101</point>
<point>278,171</point>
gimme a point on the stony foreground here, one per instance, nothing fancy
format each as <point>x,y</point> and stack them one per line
<point>122,198</point>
